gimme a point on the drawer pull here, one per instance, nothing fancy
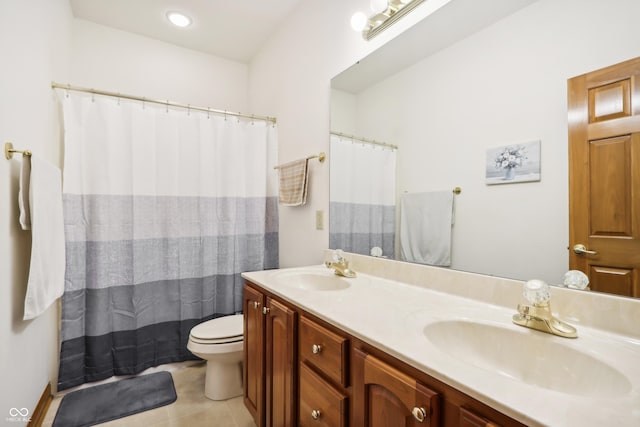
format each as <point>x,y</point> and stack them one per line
<point>265,310</point>
<point>316,348</point>
<point>315,414</point>
<point>256,304</point>
<point>419,414</point>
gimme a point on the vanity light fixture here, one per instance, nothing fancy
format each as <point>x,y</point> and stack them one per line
<point>386,12</point>
<point>179,19</point>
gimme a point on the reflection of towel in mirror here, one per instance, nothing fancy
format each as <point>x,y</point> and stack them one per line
<point>293,183</point>
<point>43,213</point>
<point>425,227</point>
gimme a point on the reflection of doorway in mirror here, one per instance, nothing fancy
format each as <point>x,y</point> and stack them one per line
<point>513,163</point>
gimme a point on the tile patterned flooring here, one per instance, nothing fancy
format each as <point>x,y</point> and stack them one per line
<point>191,409</point>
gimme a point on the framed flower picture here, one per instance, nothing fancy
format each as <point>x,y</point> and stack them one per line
<point>513,163</point>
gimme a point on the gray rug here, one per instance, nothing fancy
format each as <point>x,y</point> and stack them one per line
<point>115,400</point>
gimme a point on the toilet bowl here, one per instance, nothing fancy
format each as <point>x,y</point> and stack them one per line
<point>219,341</point>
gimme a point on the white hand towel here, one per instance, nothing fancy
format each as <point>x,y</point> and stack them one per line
<point>47,268</point>
<point>425,227</point>
<point>23,193</point>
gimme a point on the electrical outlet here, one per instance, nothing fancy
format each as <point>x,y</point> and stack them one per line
<point>320,220</point>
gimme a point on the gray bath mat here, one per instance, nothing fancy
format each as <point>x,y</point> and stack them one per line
<point>115,400</point>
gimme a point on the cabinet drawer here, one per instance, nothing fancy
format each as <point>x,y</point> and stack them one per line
<point>320,403</point>
<point>324,349</point>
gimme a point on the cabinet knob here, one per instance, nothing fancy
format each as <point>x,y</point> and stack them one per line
<point>315,414</point>
<point>265,310</point>
<point>256,304</point>
<point>316,348</point>
<point>419,414</point>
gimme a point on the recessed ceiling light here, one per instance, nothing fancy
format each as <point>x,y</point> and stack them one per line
<point>179,19</point>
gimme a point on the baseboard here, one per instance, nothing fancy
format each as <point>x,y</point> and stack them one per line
<point>38,414</point>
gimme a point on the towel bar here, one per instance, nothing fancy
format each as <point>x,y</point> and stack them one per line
<point>321,157</point>
<point>9,150</point>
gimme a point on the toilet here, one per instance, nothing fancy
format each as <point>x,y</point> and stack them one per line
<point>219,341</point>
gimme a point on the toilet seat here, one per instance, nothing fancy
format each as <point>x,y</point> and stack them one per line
<point>221,330</point>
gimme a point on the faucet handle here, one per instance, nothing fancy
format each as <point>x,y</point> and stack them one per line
<point>338,255</point>
<point>537,291</point>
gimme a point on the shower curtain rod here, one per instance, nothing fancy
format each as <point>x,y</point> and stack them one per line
<point>365,140</point>
<point>168,103</point>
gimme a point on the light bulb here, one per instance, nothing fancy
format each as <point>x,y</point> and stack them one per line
<point>179,19</point>
<point>358,21</point>
<point>379,6</point>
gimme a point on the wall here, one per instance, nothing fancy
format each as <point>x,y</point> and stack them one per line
<point>477,79</point>
<point>113,60</point>
<point>34,45</point>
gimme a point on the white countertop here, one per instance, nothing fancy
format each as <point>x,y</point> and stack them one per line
<point>392,316</point>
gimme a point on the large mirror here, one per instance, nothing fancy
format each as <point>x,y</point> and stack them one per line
<point>468,81</point>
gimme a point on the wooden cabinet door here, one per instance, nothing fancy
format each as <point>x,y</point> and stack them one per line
<point>604,177</point>
<point>253,358</point>
<point>384,396</point>
<point>281,366</point>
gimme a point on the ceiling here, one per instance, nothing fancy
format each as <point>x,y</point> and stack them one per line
<point>232,29</point>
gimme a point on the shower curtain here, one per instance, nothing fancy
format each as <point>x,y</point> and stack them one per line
<point>362,211</point>
<point>163,208</point>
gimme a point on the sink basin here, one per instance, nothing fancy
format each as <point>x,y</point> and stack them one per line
<point>313,280</point>
<point>527,356</point>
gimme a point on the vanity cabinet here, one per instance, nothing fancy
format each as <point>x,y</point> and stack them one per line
<point>269,368</point>
<point>302,371</point>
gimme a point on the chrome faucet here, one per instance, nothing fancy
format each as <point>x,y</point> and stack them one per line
<point>340,265</point>
<point>538,315</point>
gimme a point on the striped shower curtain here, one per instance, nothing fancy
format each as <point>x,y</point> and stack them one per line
<point>362,202</point>
<point>164,208</point>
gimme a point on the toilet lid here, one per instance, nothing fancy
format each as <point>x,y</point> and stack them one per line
<point>227,328</point>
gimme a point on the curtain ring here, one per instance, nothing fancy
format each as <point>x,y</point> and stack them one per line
<point>225,115</point>
<point>208,112</point>
<point>167,106</point>
<point>253,117</point>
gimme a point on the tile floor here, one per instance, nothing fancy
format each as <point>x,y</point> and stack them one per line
<point>191,409</point>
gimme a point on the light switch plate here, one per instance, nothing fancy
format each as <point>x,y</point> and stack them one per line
<point>320,220</point>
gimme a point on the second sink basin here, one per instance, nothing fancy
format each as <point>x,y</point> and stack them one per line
<point>313,280</point>
<point>527,356</point>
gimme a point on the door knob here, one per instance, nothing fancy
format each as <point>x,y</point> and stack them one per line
<point>581,249</point>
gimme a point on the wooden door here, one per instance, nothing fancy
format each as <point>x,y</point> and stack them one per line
<point>253,358</point>
<point>387,397</point>
<point>604,177</point>
<point>281,367</point>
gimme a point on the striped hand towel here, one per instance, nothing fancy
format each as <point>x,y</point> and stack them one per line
<point>293,183</point>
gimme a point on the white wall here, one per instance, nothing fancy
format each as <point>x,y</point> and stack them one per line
<point>530,54</point>
<point>34,45</point>
<point>113,60</point>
